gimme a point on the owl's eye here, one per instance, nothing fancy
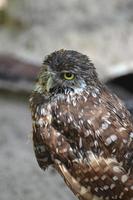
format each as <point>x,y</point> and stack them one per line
<point>69,76</point>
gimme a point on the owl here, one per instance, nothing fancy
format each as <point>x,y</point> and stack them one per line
<point>82,129</point>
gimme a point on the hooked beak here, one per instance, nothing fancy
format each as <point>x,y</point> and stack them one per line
<point>49,83</point>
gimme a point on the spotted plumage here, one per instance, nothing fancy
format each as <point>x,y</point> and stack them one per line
<point>81,129</point>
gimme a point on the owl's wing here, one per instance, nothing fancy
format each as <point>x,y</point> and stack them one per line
<point>100,124</point>
<point>97,178</point>
<point>102,179</point>
<point>119,139</point>
<point>67,143</point>
<point>103,129</point>
<point>46,139</point>
<point>42,153</point>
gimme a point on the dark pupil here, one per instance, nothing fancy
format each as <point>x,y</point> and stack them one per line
<point>68,75</point>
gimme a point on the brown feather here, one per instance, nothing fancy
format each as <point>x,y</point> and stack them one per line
<point>88,138</point>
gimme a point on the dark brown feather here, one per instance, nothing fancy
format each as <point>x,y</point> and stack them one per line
<point>88,138</point>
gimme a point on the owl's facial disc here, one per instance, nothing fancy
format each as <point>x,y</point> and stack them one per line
<point>63,82</point>
<point>66,70</point>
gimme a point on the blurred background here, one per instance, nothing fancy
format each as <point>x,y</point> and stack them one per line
<point>31,29</point>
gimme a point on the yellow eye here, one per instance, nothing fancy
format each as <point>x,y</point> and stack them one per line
<point>69,76</point>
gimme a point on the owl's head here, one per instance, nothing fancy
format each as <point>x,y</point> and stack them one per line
<point>66,70</point>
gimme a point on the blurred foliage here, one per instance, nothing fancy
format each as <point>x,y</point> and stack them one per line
<point>3,17</point>
<point>8,21</point>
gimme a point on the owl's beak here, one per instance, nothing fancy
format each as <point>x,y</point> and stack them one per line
<point>49,83</point>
